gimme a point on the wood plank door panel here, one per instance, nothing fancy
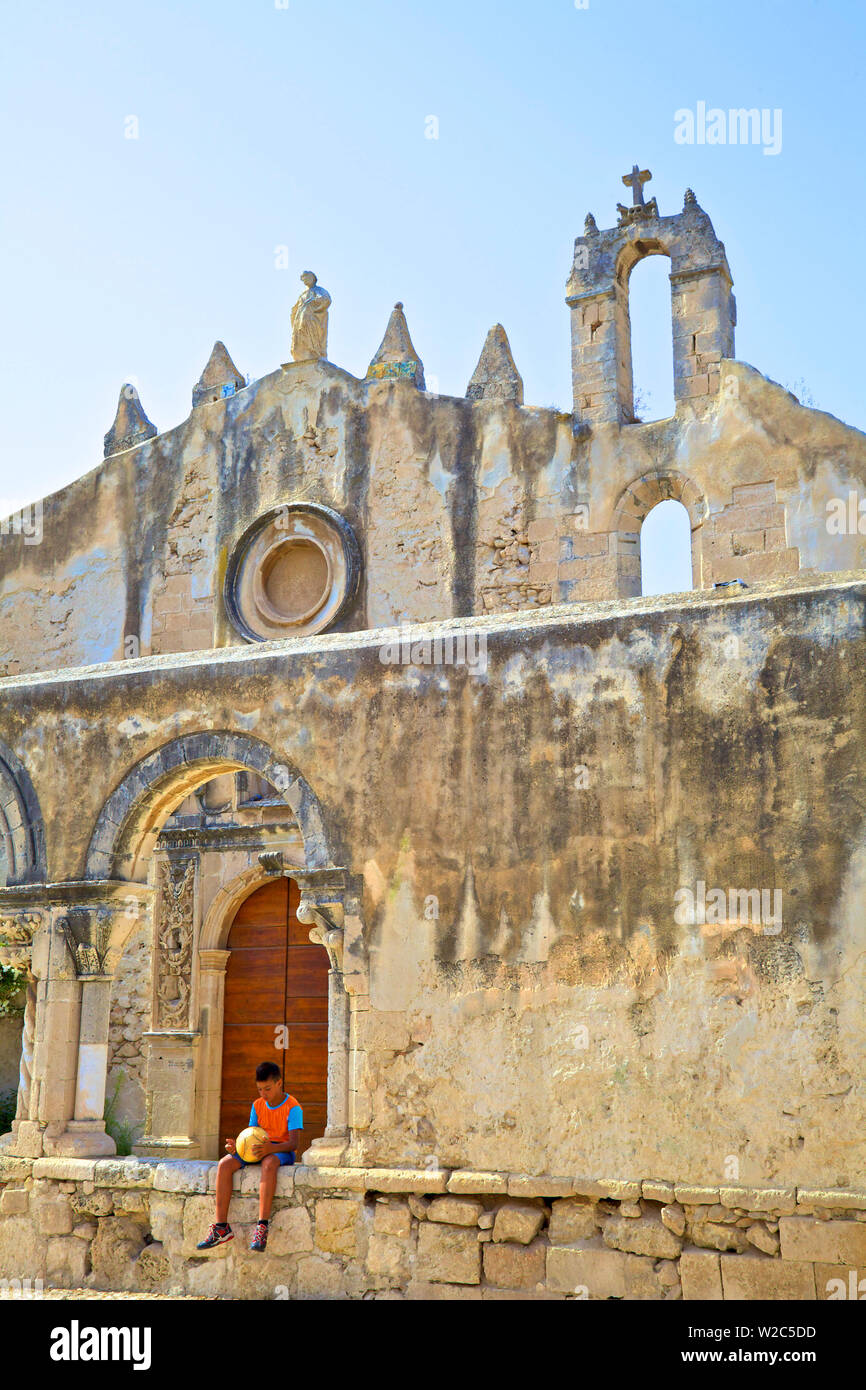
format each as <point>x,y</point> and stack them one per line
<point>275,978</point>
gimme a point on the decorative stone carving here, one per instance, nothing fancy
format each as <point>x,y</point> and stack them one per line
<point>16,938</point>
<point>174,941</point>
<point>87,934</point>
<point>330,904</point>
<point>310,321</point>
<point>324,933</point>
<point>272,861</point>
<point>293,572</point>
<point>131,425</point>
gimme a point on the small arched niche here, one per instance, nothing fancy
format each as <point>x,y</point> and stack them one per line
<point>666,550</point>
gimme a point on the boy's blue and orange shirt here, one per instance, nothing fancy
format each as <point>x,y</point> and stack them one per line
<point>277,1120</point>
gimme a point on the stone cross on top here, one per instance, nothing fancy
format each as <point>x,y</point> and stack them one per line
<point>639,210</point>
<point>635,181</point>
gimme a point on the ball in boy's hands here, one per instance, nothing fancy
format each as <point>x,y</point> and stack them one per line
<point>248,1141</point>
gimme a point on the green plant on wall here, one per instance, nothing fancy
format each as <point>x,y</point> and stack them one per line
<point>12,983</point>
<point>121,1131</point>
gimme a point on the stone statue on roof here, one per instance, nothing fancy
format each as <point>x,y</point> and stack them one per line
<point>310,321</point>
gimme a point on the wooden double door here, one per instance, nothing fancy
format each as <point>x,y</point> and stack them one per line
<point>276,989</point>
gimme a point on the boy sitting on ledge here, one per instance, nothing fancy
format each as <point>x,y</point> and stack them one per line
<point>280,1116</point>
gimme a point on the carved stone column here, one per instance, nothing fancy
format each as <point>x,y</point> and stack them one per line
<point>16,952</point>
<point>25,1067</point>
<point>78,935</point>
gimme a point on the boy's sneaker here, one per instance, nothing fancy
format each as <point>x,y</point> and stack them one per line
<point>260,1239</point>
<point>217,1235</point>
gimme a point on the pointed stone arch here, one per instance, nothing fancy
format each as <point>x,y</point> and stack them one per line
<point>129,823</point>
<point>633,507</point>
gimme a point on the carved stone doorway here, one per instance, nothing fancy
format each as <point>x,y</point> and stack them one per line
<point>276,1009</point>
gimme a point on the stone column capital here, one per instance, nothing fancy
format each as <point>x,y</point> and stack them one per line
<point>213,961</point>
<point>95,917</point>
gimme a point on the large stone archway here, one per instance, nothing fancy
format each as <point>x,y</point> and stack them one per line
<point>127,827</point>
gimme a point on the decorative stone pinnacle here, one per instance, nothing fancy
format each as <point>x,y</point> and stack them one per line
<point>219,378</point>
<point>496,377</point>
<point>131,425</point>
<point>396,356</point>
<point>589,225</point>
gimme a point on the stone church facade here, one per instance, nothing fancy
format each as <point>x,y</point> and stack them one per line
<point>333,724</point>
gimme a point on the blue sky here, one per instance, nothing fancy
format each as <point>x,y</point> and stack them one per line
<point>261,127</point>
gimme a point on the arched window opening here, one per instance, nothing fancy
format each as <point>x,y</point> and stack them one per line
<point>666,550</point>
<point>652,355</point>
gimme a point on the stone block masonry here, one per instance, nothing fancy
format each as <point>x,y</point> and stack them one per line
<point>348,1233</point>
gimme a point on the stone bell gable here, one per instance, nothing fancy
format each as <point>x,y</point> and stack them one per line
<point>703,309</point>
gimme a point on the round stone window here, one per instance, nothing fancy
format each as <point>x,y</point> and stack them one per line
<point>292,572</point>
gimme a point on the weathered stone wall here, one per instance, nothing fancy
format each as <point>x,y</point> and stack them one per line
<point>523,834</point>
<point>395,1234</point>
<point>459,507</point>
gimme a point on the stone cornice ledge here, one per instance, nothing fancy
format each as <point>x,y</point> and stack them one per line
<point>199,1176</point>
<point>510,626</point>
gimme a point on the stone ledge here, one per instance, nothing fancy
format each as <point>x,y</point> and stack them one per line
<point>587,1187</point>
<point>199,1176</point>
<point>126,1172</point>
<point>523,1185</point>
<point>182,1175</point>
<point>334,1179</point>
<point>696,1196</point>
<point>65,1169</point>
<point>653,1190</point>
<point>464,1182</point>
<point>416,1180</point>
<point>759,1198</point>
<point>831,1197</point>
<point>11,1168</point>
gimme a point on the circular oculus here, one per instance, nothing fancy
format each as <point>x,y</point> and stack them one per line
<point>292,572</point>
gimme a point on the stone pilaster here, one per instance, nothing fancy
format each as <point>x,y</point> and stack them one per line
<point>170,1096</point>
<point>331,906</point>
<point>212,987</point>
